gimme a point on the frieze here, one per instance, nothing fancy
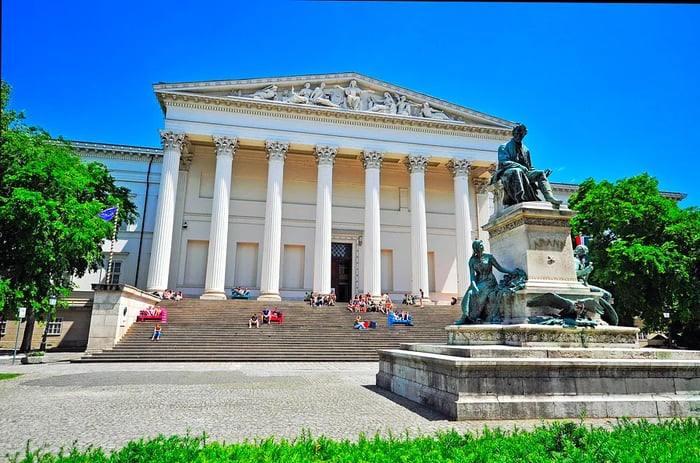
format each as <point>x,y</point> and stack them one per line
<point>459,167</point>
<point>121,155</point>
<point>416,163</point>
<point>321,114</point>
<point>372,159</point>
<point>325,155</point>
<point>276,151</point>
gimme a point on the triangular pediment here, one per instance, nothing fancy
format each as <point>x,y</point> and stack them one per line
<point>340,91</point>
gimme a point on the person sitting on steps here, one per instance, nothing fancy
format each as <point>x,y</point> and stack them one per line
<point>157,332</point>
<point>254,320</point>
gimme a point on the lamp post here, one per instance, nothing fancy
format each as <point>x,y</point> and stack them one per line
<point>52,303</point>
<point>667,317</point>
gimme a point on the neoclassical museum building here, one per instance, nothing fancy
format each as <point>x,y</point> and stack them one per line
<point>332,182</point>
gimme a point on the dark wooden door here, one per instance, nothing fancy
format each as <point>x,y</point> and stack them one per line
<point>341,270</point>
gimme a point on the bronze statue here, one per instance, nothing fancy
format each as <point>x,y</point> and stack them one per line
<point>520,179</point>
<point>584,268</point>
<point>573,312</point>
<point>481,302</point>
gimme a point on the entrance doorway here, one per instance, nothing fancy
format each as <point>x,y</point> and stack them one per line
<point>341,271</point>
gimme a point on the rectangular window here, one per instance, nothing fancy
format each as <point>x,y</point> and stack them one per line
<point>54,327</point>
<point>116,271</point>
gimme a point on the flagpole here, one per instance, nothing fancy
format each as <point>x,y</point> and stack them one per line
<point>111,247</point>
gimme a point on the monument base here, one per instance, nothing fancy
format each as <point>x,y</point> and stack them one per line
<point>486,382</point>
<point>517,370</point>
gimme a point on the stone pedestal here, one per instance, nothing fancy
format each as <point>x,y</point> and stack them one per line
<point>114,310</point>
<point>536,237</point>
<point>502,382</point>
<point>527,371</point>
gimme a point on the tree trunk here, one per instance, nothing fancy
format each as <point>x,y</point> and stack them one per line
<point>28,331</point>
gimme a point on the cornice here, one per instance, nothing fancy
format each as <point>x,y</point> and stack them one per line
<point>337,116</point>
<point>118,152</point>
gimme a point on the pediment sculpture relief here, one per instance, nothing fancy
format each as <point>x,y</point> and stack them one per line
<point>351,97</point>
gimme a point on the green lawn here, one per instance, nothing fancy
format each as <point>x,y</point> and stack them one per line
<point>626,441</point>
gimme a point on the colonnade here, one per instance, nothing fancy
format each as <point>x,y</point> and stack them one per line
<point>173,143</point>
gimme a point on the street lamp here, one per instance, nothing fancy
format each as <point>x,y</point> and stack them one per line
<point>52,303</point>
<point>667,317</point>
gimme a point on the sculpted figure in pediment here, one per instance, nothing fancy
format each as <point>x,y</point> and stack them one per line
<point>320,96</point>
<point>404,107</point>
<point>352,95</point>
<point>304,95</point>
<point>431,113</point>
<point>388,105</point>
<point>267,93</point>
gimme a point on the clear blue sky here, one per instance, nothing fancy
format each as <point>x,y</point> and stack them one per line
<point>607,90</point>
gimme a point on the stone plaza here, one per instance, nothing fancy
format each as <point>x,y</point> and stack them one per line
<point>108,405</point>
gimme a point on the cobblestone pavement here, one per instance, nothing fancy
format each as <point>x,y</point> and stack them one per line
<point>59,403</point>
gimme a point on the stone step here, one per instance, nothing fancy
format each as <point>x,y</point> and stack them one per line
<point>204,331</point>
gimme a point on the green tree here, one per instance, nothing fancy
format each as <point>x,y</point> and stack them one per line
<point>645,248</point>
<point>49,203</point>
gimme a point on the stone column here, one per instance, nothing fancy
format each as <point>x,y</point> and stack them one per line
<point>372,162</point>
<point>270,279</point>
<point>218,233</point>
<point>419,234</point>
<point>325,157</point>
<point>163,230</point>
<point>460,172</point>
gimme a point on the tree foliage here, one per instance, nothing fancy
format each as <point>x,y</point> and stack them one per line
<point>49,203</point>
<point>645,248</point>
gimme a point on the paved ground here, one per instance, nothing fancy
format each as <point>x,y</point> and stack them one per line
<point>108,405</point>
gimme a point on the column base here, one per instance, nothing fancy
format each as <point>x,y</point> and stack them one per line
<point>213,295</point>
<point>269,297</point>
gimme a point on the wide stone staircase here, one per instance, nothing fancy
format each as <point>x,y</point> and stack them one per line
<point>217,331</point>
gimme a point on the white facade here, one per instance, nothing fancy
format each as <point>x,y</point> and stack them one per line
<point>268,188</point>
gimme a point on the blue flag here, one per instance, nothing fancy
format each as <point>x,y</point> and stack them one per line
<point>108,214</point>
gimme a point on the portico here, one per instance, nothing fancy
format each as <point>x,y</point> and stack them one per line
<point>270,185</point>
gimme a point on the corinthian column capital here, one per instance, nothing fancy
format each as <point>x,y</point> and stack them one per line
<point>480,185</point>
<point>325,155</point>
<point>372,159</point>
<point>276,151</point>
<point>416,163</point>
<point>225,145</point>
<point>172,140</point>
<point>459,167</point>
